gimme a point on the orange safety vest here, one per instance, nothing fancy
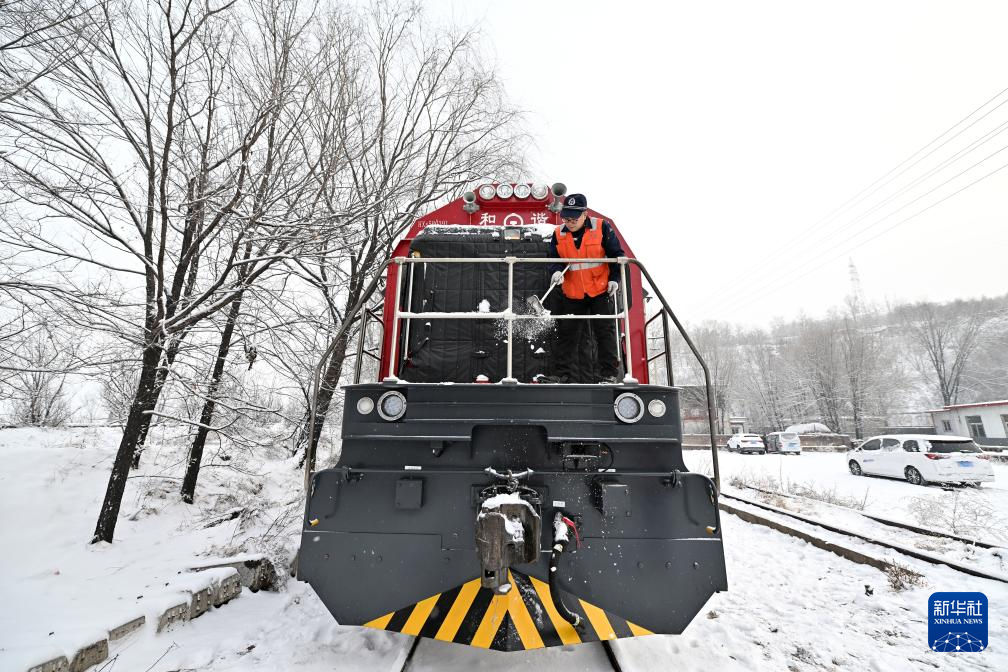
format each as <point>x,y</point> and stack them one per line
<point>586,279</point>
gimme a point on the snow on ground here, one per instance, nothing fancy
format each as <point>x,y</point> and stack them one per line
<point>51,487</point>
<point>887,497</point>
<point>789,606</point>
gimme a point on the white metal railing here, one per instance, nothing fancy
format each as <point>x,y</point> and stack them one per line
<point>508,315</point>
<point>361,305</point>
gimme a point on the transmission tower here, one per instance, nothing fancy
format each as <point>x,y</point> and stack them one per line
<point>856,293</point>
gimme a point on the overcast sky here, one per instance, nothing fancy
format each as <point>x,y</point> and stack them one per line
<point>720,137</point>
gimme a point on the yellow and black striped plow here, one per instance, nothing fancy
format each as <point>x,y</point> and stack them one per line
<point>523,618</point>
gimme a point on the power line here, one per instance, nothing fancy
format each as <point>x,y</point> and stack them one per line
<point>812,261</point>
<point>882,181</point>
<point>770,282</point>
<point>900,222</point>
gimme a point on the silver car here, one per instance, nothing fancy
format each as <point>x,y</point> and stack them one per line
<point>786,443</point>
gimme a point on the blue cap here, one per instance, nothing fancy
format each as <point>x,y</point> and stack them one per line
<point>573,206</point>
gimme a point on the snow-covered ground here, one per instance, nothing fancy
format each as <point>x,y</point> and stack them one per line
<point>52,484</point>
<point>886,497</point>
<point>790,606</point>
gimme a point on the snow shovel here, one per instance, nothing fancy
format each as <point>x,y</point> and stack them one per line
<point>535,302</point>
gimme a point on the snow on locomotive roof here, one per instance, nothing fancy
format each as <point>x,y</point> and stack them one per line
<point>544,230</point>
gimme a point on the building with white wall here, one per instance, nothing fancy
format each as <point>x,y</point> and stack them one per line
<point>986,422</point>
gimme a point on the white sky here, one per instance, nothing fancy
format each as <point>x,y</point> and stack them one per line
<point>717,132</point>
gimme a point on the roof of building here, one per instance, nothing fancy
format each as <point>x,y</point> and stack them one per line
<point>921,437</point>
<point>952,407</point>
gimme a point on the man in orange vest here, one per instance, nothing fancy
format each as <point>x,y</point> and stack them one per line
<point>588,288</point>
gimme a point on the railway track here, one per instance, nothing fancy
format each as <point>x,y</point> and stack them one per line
<point>742,507</point>
<point>854,555</point>
<point>880,519</point>
<point>607,650</point>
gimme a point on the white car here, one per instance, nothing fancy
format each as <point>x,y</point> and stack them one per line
<point>786,443</point>
<point>922,458</point>
<point>746,443</point>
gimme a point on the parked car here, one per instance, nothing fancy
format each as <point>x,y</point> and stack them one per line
<point>746,443</point>
<point>787,443</point>
<point>922,459</point>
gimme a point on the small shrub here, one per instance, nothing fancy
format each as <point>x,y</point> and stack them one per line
<point>963,513</point>
<point>829,495</point>
<point>902,577</point>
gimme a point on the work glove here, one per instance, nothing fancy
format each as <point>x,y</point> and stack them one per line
<point>557,278</point>
<point>612,288</point>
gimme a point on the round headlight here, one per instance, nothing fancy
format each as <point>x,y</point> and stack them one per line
<point>486,192</point>
<point>504,190</point>
<point>656,407</point>
<point>365,405</point>
<point>522,190</point>
<point>629,407</point>
<point>539,191</point>
<point>392,405</point>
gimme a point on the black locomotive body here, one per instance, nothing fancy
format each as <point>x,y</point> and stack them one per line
<point>506,514</point>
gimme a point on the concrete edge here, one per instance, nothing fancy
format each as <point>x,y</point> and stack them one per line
<point>60,664</point>
<point>256,573</point>
<point>90,654</point>
<point>188,605</point>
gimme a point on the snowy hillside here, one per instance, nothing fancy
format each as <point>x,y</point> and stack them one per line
<point>789,605</point>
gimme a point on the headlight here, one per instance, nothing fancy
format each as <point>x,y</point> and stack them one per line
<point>365,405</point>
<point>539,191</point>
<point>629,407</point>
<point>656,407</point>
<point>504,190</point>
<point>486,192</point>
<point>522,190</point>
<point>392,405</point>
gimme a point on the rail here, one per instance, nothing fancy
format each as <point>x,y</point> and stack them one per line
<point>853,534</point>
<point>364,315</point>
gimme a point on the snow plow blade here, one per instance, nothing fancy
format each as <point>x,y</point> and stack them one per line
<point>523,618</point>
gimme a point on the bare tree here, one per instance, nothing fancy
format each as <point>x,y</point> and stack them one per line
<point>36,381</point>
<point>718,345</point>
<point>986,374</point>
<point>945,337</point>
<point>868,372</point>
<point>284,62</point>
<point>763,377</point>
<point>119,383</point>
<point>411,117</point>
<point>27,24</point>
<point>816,350</point>
<point>147,152</point>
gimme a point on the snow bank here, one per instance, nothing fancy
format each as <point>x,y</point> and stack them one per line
<point>55,582</point>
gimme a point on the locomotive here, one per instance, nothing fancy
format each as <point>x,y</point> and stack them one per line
<point>472,503</point>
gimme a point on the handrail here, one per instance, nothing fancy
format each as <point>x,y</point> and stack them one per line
<point>665,338</point>
<point>703,365</point>
<point>367,316</point>
<point>510,316</point>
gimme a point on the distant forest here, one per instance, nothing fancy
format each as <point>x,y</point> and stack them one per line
<point>859,368</point>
